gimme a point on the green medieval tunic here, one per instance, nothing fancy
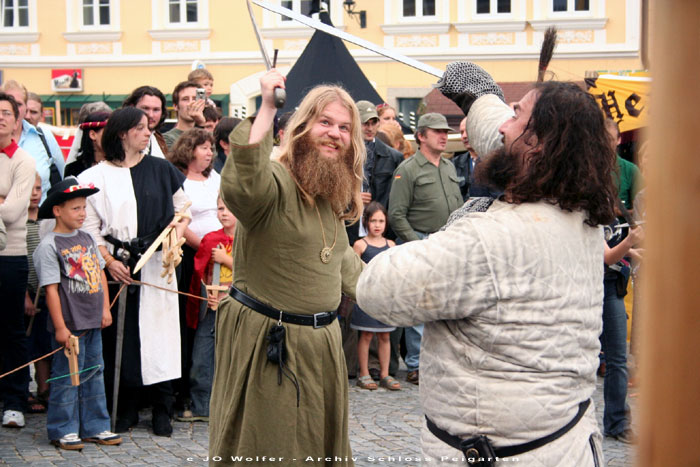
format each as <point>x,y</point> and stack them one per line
<point>277,260</point>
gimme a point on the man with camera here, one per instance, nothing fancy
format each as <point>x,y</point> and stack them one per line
<point>189,104</point>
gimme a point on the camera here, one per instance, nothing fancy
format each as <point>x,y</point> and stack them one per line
<point>201,94</point>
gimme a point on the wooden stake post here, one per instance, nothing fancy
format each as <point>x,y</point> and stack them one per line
<point>670,381</point>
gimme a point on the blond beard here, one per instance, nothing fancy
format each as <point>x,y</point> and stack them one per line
<point>317,175</point>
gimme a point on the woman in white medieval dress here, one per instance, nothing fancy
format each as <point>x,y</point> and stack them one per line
<point>138,197</point>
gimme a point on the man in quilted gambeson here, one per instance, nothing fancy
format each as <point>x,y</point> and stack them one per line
<point>510,290</point>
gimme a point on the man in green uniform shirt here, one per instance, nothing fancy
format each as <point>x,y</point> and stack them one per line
<point>290,253</point>
<point>426,187</point>
<point>424,193</point>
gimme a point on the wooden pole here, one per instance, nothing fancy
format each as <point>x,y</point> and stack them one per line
<point>58,112</point>
<point>670,355</point>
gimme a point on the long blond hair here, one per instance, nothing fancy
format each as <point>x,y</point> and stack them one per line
<point>300,124</point>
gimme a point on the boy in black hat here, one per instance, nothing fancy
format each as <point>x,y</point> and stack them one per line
<point>69,266</point>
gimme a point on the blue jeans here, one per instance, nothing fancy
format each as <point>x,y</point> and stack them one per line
<point>78,409</point>
<point>14,347</point>
<point>614,346</point>
<point>413,336</point>
<point>202,371</point>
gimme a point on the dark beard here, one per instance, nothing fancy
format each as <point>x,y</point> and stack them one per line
<point>331,179</point>
<point>498,170</point>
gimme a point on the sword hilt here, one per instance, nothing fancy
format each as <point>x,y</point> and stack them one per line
<point>280,97</point>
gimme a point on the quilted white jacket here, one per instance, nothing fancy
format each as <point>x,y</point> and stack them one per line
<point>511,299</point>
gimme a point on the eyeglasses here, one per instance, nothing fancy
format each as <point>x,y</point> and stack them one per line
<point>382,105</point>
<point>7,113</point>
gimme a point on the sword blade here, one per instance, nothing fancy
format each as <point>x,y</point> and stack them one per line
<point>307,21</point>
<point>216,274</point>
<point>121,314</point>
<point>266,58</point>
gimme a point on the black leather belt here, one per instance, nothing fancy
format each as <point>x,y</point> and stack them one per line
<point>471,446</point>
<point>317,320</point>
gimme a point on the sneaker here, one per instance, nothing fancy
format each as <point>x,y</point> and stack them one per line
<point>13,419</point>
<point>413,376</point>
<point>626,436</point>
<point>106,438</point>
<point>69,442</point>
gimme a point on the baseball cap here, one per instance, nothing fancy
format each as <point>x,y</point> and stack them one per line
<point>434,121</point>
<point>367,110</point>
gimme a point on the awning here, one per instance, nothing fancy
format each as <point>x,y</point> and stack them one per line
<point>75,101</point>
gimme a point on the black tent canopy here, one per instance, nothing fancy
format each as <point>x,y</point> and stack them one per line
<point>326,60</point>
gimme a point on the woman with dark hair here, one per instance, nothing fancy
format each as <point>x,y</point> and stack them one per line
<point>152,101</point>
<point>90,151</point>
<point>138,197</point>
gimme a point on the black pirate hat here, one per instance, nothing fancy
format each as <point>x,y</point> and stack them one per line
<point>61,192</point>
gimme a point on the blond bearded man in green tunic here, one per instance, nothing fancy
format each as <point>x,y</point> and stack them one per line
<point>291,253</point>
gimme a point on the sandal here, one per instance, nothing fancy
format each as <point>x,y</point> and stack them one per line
<point>36,404</point>
<point>390,383</point>
<point>366,382</point>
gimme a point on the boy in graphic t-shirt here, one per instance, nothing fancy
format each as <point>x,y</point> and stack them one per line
<point>69,267</point>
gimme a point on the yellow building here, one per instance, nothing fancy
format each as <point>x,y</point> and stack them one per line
<point>119,45</point>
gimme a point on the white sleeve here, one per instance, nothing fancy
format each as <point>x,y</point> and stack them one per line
<point>180,199</point>
<point>486,116</point>
<point>446,276</point>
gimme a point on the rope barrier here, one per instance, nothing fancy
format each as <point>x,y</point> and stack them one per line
<point>121,289</point>
<point>71,374</point>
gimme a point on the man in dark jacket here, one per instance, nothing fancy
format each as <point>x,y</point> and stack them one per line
<point>379,168</point>
<point>380,164</point>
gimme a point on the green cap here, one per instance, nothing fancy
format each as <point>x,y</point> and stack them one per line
<point>434,121</point>
<point>367,111</point>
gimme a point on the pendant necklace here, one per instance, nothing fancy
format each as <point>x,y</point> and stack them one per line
<point>326,251</point>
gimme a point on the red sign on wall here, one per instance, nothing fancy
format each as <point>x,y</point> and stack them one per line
<point>67,80</point>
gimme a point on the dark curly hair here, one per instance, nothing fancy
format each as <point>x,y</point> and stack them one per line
<point>133,99</point>
<point>183,150</point>
<point>576,165</point>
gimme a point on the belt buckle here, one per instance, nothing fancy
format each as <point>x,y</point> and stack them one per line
<point>316,317</point>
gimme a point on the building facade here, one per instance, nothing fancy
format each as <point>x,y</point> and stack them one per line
<point>109,47</point>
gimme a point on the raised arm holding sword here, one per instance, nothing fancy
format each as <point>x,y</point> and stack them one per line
<point>272,394</point>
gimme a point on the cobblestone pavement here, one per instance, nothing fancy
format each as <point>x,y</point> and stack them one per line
<point>383,424</point>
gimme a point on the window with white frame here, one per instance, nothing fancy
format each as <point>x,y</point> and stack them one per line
<point>183,11</point>
<point>559,6</point>
<point>15,13</point>
<point>418,8</point>
<point>96,13</point>
<point>490,7</point>
<point>302,7</point>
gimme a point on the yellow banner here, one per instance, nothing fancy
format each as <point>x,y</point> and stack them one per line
<point>625,99</point>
